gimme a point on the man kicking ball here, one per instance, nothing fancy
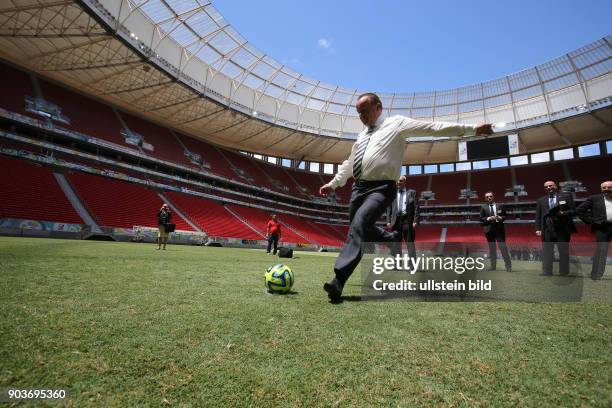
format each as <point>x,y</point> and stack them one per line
<point>375,163</point>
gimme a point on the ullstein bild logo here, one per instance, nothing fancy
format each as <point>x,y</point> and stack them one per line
<point>432,285</point>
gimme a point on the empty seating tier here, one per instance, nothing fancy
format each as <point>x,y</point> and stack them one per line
<point>212,217</point>
<point>30,191</point>
<point>116,203</point>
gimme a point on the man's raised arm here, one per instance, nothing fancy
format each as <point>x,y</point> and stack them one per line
<point>413,127</point>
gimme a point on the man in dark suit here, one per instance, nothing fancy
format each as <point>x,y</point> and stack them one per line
<point>597,211</point>
<point>554,223</point>
<point>492,217</point>
<point>403,217</point>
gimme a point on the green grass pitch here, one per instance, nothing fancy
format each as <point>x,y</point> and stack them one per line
<point>121,324</point>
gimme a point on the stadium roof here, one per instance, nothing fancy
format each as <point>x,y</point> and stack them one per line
<point>181,64</point>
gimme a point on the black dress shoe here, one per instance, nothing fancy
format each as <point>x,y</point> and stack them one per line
<point>333,289</point>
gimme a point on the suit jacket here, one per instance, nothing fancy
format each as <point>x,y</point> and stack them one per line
<point>593,211</point>
<point>550,218</point>
<point>485,212</point>
<point>412,208</point>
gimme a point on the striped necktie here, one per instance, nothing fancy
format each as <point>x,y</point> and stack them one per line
<point>360,152</point>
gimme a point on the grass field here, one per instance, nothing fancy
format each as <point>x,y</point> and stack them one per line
<point>121,324</point>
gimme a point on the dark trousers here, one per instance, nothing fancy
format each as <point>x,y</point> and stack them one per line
<point>602,236</point>
<point>550,237</point>
<point>369,200</point>
<point>406,234</point>
<point>272,238</point>
<point>497,235</point>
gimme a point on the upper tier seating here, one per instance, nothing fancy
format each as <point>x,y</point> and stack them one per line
<point>165,145</point>
<point>589,173</point>
<point>495,180</point>
<point>280,174</point>
<point>448,187</point>
<point>16,85</point>
<point>533,178</point>
<point>247,171</point>
<point>86,115</point>
<point>310,181</point>
<point>218,165</point>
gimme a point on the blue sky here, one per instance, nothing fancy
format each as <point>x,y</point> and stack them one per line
<point>406,46</point>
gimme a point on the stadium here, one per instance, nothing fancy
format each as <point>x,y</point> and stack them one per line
<point>111,108</point>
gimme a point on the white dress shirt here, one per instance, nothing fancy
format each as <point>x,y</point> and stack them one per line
<point>401,201</point>
<point>493,207</point>
<point>608,209</point>
<point>382,159</point>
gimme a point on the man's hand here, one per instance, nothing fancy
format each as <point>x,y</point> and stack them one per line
<point>539,233</point>
<point>389,226</point>
<point>484,129</point>
<point>414,224</point>
<point>325,189</point>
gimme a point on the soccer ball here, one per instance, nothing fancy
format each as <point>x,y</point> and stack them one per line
<point>279,278</point>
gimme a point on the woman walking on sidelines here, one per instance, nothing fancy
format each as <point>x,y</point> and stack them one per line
<point>163,219</point>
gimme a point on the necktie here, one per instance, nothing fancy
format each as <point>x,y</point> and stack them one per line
<point>552,202</point>
<point>401,202</point>
<point>492,211</point>
<point>359,154</point>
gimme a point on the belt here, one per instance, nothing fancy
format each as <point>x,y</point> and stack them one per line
<point>362,183</point>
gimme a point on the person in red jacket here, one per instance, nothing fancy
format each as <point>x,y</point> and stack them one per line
<point>273,233</point>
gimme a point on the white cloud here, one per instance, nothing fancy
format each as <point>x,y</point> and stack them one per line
<point>326,44</point>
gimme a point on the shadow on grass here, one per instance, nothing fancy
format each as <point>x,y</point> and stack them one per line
<point>290,293</point>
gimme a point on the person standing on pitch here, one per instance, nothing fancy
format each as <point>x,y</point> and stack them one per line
<point>555,223</point>
<point>164,216</point>
<point>597,211</point>
<point>492,217</point>
<point>375,162</point>
<point>273,233</point>
<point>403,217</point>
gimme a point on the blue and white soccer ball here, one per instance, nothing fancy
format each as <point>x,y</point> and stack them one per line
<point>279,278</point>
